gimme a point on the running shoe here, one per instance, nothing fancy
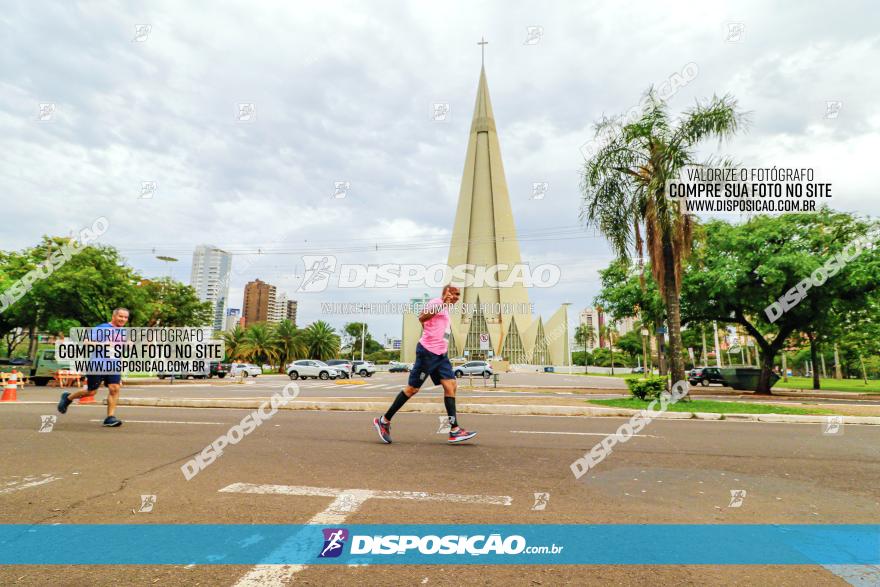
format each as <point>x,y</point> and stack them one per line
<point>384,429</point>
<point>65,402</point>
<point>460,435</point>
<point>112,422</point>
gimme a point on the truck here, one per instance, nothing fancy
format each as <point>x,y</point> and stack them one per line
<point>41,370</point>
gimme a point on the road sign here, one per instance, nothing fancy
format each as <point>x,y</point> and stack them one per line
<point>484,342</point>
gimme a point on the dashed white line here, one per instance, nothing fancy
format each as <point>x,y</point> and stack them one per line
<point>163,422</point>
<point>579,433</point>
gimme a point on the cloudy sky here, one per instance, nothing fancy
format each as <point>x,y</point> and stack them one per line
<point>343,91</point>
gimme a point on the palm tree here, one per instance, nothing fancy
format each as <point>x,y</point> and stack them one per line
<point>233,340</point>
<point>321,341</point>
<point>624,192</point>
<point>585,335</point>
<point>607,332</point>
<point>259,344</point>
<point>289,343</point>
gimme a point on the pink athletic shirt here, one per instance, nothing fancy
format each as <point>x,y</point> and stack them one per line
<point>436,330</point>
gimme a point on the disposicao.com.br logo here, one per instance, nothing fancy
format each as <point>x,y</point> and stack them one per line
<point>394,544</point>
<point>321,269</point>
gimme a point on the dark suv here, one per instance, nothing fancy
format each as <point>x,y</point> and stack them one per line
<point>706,375</point>
<point>219,369</point>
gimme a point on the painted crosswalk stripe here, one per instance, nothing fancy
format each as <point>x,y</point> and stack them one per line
<point>27,482</point>
<point>345,502</point>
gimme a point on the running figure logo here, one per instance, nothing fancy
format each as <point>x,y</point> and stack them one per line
<point>47,423</point>
<point>334,541</point>
<point>737,496</point>
<point>318,269</point>
<point>147,503</point>
<point>541,500</point>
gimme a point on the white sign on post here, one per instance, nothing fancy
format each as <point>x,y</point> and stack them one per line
<point>484,342</point>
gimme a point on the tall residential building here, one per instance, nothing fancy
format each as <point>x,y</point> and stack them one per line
<point>492,321</point>
<point>210,278</point>
<point>594,320</point>
<point>233,318</point>
<point>278,311</point>
<point>291,311</point>
<point>259,302</point>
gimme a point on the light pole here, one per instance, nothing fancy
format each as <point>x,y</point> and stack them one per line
<point>168,261</point>
<point>567,345</point>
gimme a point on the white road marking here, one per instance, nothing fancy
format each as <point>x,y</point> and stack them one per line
<point>347,501</point>
<point>162,422</point>
<point>857,575</point>
<point>27,482</point>
<point>579,433</point>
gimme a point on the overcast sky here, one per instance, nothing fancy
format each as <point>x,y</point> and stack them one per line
<point>343,91</point>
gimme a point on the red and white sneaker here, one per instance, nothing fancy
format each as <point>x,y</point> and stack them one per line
<point>460,435</point>
<point>384,429</point>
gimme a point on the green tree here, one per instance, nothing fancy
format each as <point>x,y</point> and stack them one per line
<point>165,302</point>
<point>259,344</point>
<point>321,341</point>
<point>233,341</point>
<point>586,337</point>
<point>766,257</point>
<point>624,192</point>
<point>354,330</point>
<point>289,343</point>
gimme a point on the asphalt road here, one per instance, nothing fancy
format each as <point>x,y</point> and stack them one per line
<point>678,472</point>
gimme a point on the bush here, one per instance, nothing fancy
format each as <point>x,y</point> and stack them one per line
<point>646,388</point>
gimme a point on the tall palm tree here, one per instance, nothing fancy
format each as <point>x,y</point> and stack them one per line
<point>585,335</point>
<point>259,344</point>
<point>232,340</point>
<point>624,192</point>
<point>289,344</point>
<point>321,341</point>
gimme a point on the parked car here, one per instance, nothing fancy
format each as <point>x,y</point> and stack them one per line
<point>638,370</point>
<point>341,365</point>
<point>219,369</point>
<point>244,370</point>
<point>363,368</point>
<point>308,368</point>
<point>474,368</point>
<point>706,375</point>
<point>395,367</point>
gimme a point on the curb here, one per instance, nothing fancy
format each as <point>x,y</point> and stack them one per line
<point>490,409</point>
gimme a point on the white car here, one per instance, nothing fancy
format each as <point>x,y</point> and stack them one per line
<point>244,370</point>
<point>309,368</point>
<point>363,368</point>
<point>474,368</point>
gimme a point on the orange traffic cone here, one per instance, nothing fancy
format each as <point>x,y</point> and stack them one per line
<point>86,399</point>
<point>10,390</point>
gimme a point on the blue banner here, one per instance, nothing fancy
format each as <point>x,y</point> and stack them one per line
<point>625,544</point>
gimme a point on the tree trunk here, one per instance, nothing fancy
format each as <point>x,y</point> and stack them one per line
<point>661,349</point>
<point>32,345</point>
<point>767,359</point>
<point>814,354</point>
<point>673,318</point>
<point>704,360</point>
<point>837,372</point>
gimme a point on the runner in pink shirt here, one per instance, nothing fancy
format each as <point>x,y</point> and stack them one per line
<point>431,360</point>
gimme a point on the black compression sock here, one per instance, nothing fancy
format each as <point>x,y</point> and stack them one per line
<point>396,405</point>
<point>449,402</point>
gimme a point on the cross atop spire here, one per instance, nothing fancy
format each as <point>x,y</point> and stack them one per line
<point>482,43</point>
